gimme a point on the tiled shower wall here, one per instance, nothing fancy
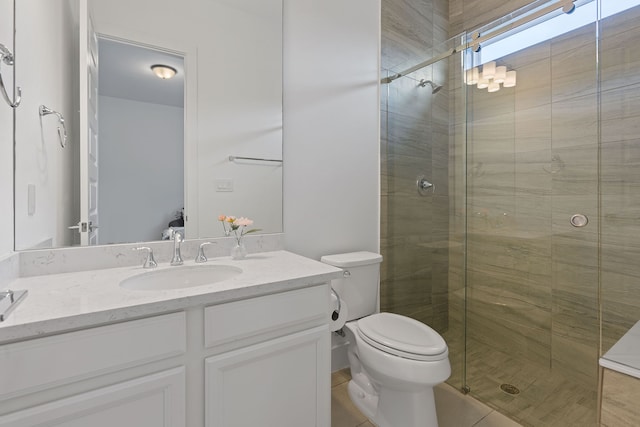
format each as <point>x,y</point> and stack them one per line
<point>539,291</point>
<point>419,134</point>
<point>620,174</point>
<point>414,227</point>
<point>532,283</point>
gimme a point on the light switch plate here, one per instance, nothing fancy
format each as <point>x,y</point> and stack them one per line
<point>31,199</point>
<point>224,184</point>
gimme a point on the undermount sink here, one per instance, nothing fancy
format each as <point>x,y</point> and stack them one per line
<point>180,277</point>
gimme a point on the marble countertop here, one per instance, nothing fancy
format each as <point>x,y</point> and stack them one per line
<point>68,301</point>
<point>624,356</point>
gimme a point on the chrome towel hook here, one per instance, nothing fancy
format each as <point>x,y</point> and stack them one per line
<point>7,57</point>
<point>62,133</point>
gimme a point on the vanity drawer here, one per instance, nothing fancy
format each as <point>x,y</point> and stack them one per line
<point>265,315</point>
<point>41,363</point>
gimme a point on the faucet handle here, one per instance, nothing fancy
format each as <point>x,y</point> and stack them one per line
<point>150,261</point>
<point>201,256</point>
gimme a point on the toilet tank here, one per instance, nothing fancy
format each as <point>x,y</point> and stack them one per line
<point>358,287</point>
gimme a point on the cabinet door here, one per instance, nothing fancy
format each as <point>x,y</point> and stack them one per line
<point>283,382</point>
<point>155,400</point>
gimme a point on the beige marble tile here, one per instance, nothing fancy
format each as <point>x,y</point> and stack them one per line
<point>574,122</point>
<point>407,30</point>
<point>343,412</point>
<point>340,377</point>
<point>521,59</point>
<point>619,400</point>
<point>620,185</point>
<point>575,171</point>
<point>479,12</point>
<point>620,300</point>
<point>533,172</point>
<point>533,87</point>
<point>573,64</point>
<point>455,409</point>
<point>618,58</point>
<point>496,419</point>
<point>546,398</point>
<point>620,114</point>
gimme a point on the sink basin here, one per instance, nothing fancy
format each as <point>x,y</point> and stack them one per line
<point>180,277</point>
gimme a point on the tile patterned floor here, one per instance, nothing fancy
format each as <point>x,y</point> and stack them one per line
<point>454,408</point>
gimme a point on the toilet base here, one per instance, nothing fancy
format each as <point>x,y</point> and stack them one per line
<point>393,408</point>
<point>367,403</point>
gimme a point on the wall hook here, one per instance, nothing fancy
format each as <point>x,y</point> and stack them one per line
<point>62,133</point>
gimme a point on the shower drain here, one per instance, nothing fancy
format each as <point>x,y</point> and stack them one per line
<point>509,389</point>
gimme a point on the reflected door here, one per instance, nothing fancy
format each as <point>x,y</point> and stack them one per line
<point>88,226</point>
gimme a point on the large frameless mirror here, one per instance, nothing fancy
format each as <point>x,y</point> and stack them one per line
<point>110,151</point>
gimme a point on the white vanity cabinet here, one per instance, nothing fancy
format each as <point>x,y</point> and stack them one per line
<point>263,360</point>
<point>155,400</point>
<point>106,365</point>
<point>277,373</point>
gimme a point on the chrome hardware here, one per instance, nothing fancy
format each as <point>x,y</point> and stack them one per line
<point>7,57</point>
<point>83,227</point>
<point>569,7</point>
<point>423,185</point>
<point>150,261</point>
<point>346,273</point>
<point>8,301</point>
<point>434,87</point>
<point>579,220</point>
<point>234,158</point>
<point>177,258</point>
<point>477,39</point>
<point>201,256</point>
<point>62,134</point>
<point>336,312</point>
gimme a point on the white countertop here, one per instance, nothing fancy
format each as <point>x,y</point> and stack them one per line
<point>624,356</point>
<point>67,301</point>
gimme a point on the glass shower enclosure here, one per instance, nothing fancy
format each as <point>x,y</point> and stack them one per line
<point>523,254</point>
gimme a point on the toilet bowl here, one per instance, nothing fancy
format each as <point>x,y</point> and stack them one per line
<point>395,361</point>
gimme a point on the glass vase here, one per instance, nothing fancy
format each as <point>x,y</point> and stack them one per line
<point>239,251</point>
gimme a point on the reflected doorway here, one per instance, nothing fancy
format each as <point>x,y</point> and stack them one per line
<point>141,151</point>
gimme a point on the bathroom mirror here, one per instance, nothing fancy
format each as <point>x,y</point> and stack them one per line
<point>230,62</point>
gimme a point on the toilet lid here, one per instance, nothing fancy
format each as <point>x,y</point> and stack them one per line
<point>402,336</point>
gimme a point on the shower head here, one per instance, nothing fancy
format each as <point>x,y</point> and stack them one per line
<point>434,87</point>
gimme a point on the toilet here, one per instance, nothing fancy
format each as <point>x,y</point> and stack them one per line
<point>395,361</point>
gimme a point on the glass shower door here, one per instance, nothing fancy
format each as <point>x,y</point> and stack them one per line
<point>531,270</point>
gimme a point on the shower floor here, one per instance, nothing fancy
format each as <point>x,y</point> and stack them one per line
<point>454,408</point>
<point>546,398</point>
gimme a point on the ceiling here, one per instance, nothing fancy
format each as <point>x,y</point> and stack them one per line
<point>125,72</point>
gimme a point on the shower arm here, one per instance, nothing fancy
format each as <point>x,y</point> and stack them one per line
<point>567,6</point>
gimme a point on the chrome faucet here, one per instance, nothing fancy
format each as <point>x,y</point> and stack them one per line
<point>177,258</point>
<point>150,261</point>
<point>201,256</point>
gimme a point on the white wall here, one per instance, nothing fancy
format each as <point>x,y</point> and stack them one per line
<point>331,126</point>
<point>6,135</point>
<point>42,162</point>
<point>141,158</point>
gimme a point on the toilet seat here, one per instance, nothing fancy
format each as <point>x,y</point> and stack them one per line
<point>402,336</point>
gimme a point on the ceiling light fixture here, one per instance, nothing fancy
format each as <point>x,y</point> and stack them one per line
<point>163,72</point>
<point>499,74</point>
